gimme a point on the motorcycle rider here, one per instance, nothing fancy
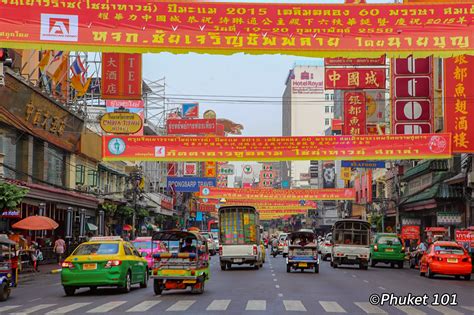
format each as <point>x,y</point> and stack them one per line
<point>420,250</point>
<point>274,244</point>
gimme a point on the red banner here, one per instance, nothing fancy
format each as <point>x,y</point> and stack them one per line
<point>354,78</point>
<point>191,126</point>
<point>121,76</point>
<point>459,109</point>
<point>351,62</point>
<point>267,203</point>
<point>364,30</point>
<point>277,194</point>
<point>355,113</point>
<point>383,147</point>
<point>410,232</point>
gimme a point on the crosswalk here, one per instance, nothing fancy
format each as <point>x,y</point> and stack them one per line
<point>216,306</point>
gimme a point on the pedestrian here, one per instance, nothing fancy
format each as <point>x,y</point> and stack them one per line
<point>59,248</point>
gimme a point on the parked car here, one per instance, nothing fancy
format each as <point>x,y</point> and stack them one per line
<point>446,258</point>
<point>387,248</point>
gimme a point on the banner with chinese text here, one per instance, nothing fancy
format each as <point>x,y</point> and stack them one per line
<point>121,76</point>
<point>325,30</point>
<point>277,194</point>
<point>355,113</point>
<point>354,78</point>
<point>459,108</point>
<point>383,147</point>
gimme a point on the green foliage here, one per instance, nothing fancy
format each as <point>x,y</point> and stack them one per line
<point>376,219</point>
<point>109,209</point>
<point>124,212</point>
<point>11,195</point>
<point>142,213</point>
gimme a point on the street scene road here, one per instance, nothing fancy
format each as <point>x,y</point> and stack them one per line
<point>242,290</point>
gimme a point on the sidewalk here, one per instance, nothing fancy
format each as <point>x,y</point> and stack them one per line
<point>46,269</point>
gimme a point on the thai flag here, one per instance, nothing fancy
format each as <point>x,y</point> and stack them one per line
<point>57,57</point>
<point>77,67</point>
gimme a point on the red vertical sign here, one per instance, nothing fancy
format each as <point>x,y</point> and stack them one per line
<point>459,109</point>
<point>121,76</point>
<point>355,113</point>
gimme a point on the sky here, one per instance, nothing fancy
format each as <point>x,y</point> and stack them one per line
<point>235,75</point>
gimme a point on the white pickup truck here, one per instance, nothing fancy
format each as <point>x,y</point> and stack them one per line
<point>239,237</point>
<point>351,243</point>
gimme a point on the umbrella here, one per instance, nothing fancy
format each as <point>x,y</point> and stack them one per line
<point>36,223</point>
<point>127,227</point>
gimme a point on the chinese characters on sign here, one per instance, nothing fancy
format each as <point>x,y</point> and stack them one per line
<point>211,27</point>
<point>459,112</point>
<point>45,119</point>
<point>211,149</point>
<point>350,79</point>
<point>121,76</point>
<point>412,91</point>
<point>354,113</point>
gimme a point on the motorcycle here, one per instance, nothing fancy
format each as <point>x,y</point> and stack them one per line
<point>274,251</point>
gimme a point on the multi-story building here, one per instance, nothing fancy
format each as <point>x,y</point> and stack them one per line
<point>307,111</point>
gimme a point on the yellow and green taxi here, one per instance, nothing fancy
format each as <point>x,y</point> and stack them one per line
<point>104,261</point>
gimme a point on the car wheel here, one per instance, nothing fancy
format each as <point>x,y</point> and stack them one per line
<point>69,290</point>
<point>223,266</point>
<point>229,265</point>
<point>400,265</point>
<point>316,268</point>
<point>392,265</point>
<point>467,277</point>
<point>372,263</point>
<point>412,264</point>
<point>284,255</point>
<point>422,274</point>
<point>93,288</point>
<point>158,287</point>
<point>127,286</point>
<point>144,284</point>
<point>198,288</point>
<point>430,274</point>
<point>256,266</point>
<point>457,277</point>
<point>334,264</point>
<point>4,292</point>
<point>288,268</point>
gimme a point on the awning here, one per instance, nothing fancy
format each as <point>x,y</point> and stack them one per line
<point>458,179</point>
<point>91,227</point>
<point>424,168</point>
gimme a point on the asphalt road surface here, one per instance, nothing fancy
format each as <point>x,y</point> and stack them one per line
<point>270,290</point>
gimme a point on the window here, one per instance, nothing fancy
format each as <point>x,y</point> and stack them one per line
<point>127,250</point>
<point>326,121</point>
<point>326,97</point>
<point>80,174</point>
<point>97,249</point>
<point>92,179</point>
<point>327,109</point>
<point>332,109</point>
<point>332,97</point>
<point>56,166</point>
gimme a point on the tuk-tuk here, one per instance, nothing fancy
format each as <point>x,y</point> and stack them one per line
<point>8,266</point>
<point>186,266</point>
<point>302,251</point>
<point>434,234</point>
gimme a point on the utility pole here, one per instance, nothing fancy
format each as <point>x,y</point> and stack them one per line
<point>136,177</point>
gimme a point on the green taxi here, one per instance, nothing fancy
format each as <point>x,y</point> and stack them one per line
<point>387,248</point>
<point>104,261</point>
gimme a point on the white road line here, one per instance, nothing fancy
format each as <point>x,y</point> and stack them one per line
<point>469,308</point>
<point>410,310</point>
<point>445,310</point>
<point>256,305</point>
<point>332,307</point>
<point>34,309</point>
<point>366,281</point>
<point>218,305</point>
<point>8,307</point>
<point>104,308</point>
<point>275,280</point>
<point>369,308</point>
<point>294,305</point>
<point>180,306</point>
<point>382,288</point>
<point>68,308</point>
<point>143,306</point>
<point>277,286</point>
<point>354,276</point>
<point>34,300</point>
<point>273,274</point>
<point>280,294</point>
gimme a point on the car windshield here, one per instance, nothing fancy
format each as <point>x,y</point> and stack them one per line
<point>389,240</point>
<point>282,237</point>
<point>449,250</point>
<point>97,249</point>
<point>143,245</point>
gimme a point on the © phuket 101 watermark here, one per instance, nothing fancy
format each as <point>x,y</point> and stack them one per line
<point>410,299</point>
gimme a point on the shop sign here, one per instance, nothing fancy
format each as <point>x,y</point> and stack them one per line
<point>449,218</point>
<point>190,110</point>
<point>190,169</point>
<point>166,202</point>
<point>191,126</point>
<point>121,123</point>
<point>11,214</point>
<point>355,113</point>
<point>226,169</point>
<point>121,76</point>
<point>351,62</point>
<point>354,78</point>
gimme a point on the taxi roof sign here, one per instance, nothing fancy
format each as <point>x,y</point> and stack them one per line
<point>106,238</point>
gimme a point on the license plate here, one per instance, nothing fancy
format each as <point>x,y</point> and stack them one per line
<point>238,260</point>
<point>389,250</point>
<point>189,281</point>
<point>452,260</point>
<point>173,272</point>
<point>352,257</point>
<point>89,266</point>
<point>302,265</point>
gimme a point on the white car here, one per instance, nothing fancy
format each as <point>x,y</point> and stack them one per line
<point>326,247</point>
<point>283,244</point>
<point>211,243</point>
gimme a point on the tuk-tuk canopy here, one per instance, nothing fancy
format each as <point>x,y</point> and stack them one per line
<point>301,234</point>
<point>177,236</point>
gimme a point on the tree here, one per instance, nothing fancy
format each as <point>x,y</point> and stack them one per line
<point>11,195</point>
<point>142,213</point>
<point>124,212</point>
<point>109,209</point>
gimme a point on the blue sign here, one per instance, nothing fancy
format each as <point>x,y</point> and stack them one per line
<point>191,110</point>
<point>198,216</point>
<point>190,184</point>
<point>285,184</point>
<point>363,164</point>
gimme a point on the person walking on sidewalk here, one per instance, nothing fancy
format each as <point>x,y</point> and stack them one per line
<point>59,248</point>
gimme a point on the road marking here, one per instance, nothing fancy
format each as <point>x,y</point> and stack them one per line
<point>180,306</point>
<point>218,305</point>
<point>382,288</point>
<point>7,308</point>
<point>410,310</point>
<point>445,310</point>
<point>332,307</point>
<point>294,305</point>
<point>143,306</point>
<point>68,308</point>
<point>354,276</point>
<point>256,305</point>
<point>469,308</point>
<point>104,308</point>
<point>35,309</point>
<point>280,294</point>
<point>366,281</point>
<point>273,274</point>
<point>277,286</point>
<point>34,300</point>
<point>369,308</point>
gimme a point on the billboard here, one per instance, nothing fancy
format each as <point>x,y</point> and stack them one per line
<point>307,82</point>
<point>190,110</point>
<point>329,174</point>
<point>132,106</point>
<point>191,126</point>
<point>363,164</point>
<point>121,76</point>
<point>189,184</point>
<point>354,78</point>
<point>351,62</point>
<point>355,118</point>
